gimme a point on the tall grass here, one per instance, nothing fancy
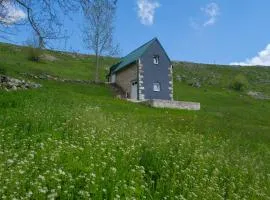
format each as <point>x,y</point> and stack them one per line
<point>73,141</point>
<point>60,142</point>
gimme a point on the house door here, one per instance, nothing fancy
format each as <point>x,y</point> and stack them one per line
<point>134,90</point>
<point>113,78</point>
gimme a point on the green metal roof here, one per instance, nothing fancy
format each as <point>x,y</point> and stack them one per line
<point>131,57</point>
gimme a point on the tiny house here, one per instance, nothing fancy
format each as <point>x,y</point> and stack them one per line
<point>145,73</point>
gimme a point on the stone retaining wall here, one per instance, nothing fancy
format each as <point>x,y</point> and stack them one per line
<point>56,78</point>
<point>8,83</point>
<point>173,104</point>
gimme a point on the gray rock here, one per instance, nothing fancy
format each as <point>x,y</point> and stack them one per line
<point>197,84</point>
<point>3,79</point>
<point>48,57</point>
<point>258,95</point>
<point>14,88</point>
<point>8,83</point>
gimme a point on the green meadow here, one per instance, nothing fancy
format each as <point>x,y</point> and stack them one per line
<point>77,141</point>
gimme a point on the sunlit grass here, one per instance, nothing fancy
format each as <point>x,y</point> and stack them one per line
<point>76,141</point>
<point>58,142</point>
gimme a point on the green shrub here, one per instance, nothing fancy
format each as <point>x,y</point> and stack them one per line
<point>34,51</point>
<point>34,54</point>
<point>2,71</point>
<point>239,83</point>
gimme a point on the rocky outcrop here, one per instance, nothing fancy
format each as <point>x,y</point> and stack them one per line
<point>258,95</point>
<point>8,83</point>
<point>48,57</point>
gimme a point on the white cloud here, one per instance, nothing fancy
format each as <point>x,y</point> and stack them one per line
<point>263,59</point>
<point>146,11</point>
<point>212,11</point>
<point>13,14</point>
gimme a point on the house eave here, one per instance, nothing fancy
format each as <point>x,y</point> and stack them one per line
<point>123,68</point>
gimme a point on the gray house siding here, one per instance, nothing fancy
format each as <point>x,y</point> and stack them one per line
<point>152,73</point>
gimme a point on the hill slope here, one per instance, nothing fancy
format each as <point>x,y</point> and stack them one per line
<point>77,141</point>
<point>66,65</point>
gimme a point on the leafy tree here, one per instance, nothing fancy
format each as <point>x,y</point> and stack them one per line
<point>43,16</point>
<point>98,31</point>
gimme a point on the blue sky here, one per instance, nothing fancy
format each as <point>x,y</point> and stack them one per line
<point>221,31</point>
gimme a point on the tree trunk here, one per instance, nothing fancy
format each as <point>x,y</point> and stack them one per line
<point>40,42</point>
<point>97,69</point>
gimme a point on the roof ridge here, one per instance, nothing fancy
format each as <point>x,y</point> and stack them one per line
<point>132,56</point>
<point>139,47</point>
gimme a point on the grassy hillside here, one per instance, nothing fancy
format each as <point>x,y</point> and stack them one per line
<point>71,66</point>
<point>220,76</point>
<point>233,112</point>
<point>76,141</point>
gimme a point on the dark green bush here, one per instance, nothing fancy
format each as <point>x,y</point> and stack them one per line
<point>33,50</point>
<point>2,71</point>
<point>239,83</point>
<point>34,54</point>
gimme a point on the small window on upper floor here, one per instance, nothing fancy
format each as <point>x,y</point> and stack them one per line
<point>156,87</point>
<point>156,59</point>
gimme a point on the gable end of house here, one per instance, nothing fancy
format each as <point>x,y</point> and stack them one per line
<point>145,73</point>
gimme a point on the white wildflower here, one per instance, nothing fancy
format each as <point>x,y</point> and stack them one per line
<point>41,177</point>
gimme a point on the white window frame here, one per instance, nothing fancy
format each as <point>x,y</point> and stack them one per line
<point>156,59</point>
<point>156,87</point>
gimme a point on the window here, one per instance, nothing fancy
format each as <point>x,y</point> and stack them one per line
<point>156,87</point>
<point>156,59</point>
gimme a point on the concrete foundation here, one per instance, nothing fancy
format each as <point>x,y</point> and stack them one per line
<point>182,105</point>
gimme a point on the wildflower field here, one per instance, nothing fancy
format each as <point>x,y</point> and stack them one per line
<point>76,141</point>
